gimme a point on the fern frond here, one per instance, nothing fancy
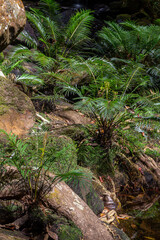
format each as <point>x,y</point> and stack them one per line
<point>50,7</point>
<point>21,52</point>
<point>74,175</point>
<point>60,77</point>
<point>29,80</point>
<point>30,41</point>
<point>129,39</point>
<point>43,60</point>
<point>78,30</point>
<point>37,21</point>
<point>54,31</point>
<point>67,89</point>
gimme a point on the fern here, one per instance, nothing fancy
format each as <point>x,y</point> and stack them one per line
<point>129,43</point>
<point>33,161</point>
<point>29,80</point>
<point>38,23</point>
<point>30,41</point>
<point>43,61</point>
<point>78,30</point>
<point>50,7</point>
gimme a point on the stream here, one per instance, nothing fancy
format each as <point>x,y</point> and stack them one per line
<point>143,225</point>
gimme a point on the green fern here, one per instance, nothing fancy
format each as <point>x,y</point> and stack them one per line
<point>50,7</point>
<point>78,30</point>
<point>129,40</point>
<point>30,41</point>
<point>33,162</point>
<point>29,80</point>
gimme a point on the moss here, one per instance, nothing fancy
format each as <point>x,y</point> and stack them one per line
<point>3,108</point>
<point>60,152</point>
<point>12,98</point>
<point>67,232</point>
<point>152,212</point>
<point>54,196</point>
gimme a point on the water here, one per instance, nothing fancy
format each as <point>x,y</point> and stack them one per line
<point>79,4</point>
<point>143,225</point>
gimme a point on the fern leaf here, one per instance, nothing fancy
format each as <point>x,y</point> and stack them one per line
<point>29,80</point>
<point>78,29</point>
<point>30,41</point>
<point>37,21</point>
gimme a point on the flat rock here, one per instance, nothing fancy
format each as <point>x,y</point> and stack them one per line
<point>65,115</point>
<point>12,21</point>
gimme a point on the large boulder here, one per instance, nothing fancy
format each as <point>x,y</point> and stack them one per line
<point>12,21</point>
<point>16,109</point>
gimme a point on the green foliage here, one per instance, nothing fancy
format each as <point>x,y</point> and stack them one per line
<point>78,30</point>
<point>61,154</point>
<point>58,39</point>
<point>90,154</point>
<point>153,153</point>
<point>47,53</point>
<point>117,103</point>
<point>129,40</point>
<point>50,7</point>
<point>33,161</point>
<point>67,232</point>
<point>29,80</point>
<point>151,213</point>
<point>119,94</point>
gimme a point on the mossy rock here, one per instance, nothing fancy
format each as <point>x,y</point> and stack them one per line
<point>84,189</point>
<point>60,154</point>
<point>12,98</point>
<point>65,154</point>
<point>17,112</point>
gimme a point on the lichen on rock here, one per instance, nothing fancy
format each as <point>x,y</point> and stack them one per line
<point>12,21</point>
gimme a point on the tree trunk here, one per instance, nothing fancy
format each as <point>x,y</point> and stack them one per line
<point>62,198</point>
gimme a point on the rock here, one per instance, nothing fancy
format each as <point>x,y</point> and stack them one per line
<point>17,112</point>
<point>10,235</point>
<point>101,10</point>
<point>84,189</point>
<point>72,116</point>
<point>12,21</point>
<point>62,153</point>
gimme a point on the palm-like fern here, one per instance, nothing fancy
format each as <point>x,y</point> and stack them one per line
<point>78,31</point>
<point>129,40</point>
<point>33,162</point>
<point>57,38</point>
<point>50,7</point>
